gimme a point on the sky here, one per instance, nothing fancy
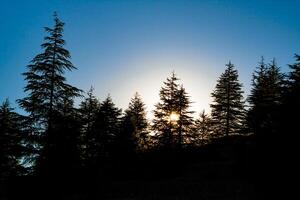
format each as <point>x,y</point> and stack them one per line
<point>124,46</point>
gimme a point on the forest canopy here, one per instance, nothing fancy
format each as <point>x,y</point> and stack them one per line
<point>55,138</point>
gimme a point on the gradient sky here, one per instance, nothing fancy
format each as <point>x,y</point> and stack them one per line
<point>121,47</point>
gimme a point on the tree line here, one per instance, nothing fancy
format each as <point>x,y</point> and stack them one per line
<point>55,137</point>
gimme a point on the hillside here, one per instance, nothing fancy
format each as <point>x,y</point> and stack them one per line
<point>225,169</point>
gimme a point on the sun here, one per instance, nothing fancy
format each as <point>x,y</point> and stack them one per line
<point>174,117</point>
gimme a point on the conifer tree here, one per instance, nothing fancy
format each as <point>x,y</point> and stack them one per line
<point>294,77</point>
<point>265,98</point>
<point>202,129</point>
<point>134,134</point>
<point>162,125</point>
<point>228,106</point>
<point>275,82</point>
<point>291,106</point>
<point>172,121</point>
<point>257,96</point>
<point>88,110</point>
<point>48,92</point>
<point>11,137</point>
<point>185,120</point>
<point>105,130</point>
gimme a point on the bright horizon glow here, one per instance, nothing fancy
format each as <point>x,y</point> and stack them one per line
<point>123,47</point>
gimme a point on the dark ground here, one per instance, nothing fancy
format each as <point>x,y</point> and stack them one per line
<point>233,168</point>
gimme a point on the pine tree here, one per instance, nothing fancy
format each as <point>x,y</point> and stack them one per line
<point>172,121</point>
<point>134,133</point>
<point>105,130</point>
<point>11,137</point>
<point>162,125</point>
<point>228,106</point>
<point>274,98</point>
<point>185,120</point>
<point>203,129</point>
<point>275,82</point>
<point>88,110</point>
<point>294,77</point>
<point>48,92</point>
<point>291,107</point>
<point>265,98</point>
<point>257,96</point>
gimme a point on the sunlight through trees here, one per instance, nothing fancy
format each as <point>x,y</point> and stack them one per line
<point>174,117</point>
<point>55,138</point>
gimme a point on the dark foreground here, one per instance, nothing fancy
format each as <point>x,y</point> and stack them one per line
<point>237,168</point>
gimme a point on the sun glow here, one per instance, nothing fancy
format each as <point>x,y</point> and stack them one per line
<point>174,117</point>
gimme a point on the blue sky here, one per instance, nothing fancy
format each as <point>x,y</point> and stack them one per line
<point>121,47</point>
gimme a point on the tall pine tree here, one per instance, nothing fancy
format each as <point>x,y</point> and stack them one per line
<point>185,119</point>
<point>291,107</point>
<point>88,111</point>
<point>173,121</point>
<point>228,106</point>
<point>48,92</point>
<point>105,130</point>
<point>265,98</point>
<point>134,133</point>
<point>257,96</point>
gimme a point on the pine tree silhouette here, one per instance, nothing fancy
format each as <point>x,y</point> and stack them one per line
<point>134,133</point>
<point>265,98</point>
<point>173,121</point>
<point>228,106</point>
<point>11,137</point>
<point>88,111</point>
<point>48,92</point>
<point>105,130</point>
<point>203,129</point>
<point>185,120</point>
<point>290,108</point>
